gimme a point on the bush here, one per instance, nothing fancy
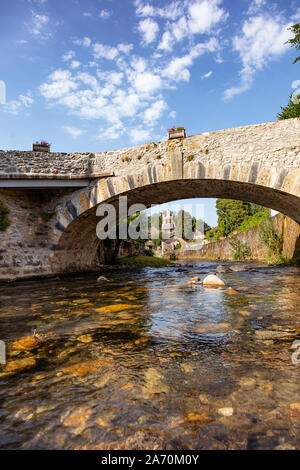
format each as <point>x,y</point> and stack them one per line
<point>4,221</point>
<point>239,249</point>
<point>148,252</point>
<point>270,238</point>
<point>254,220</point>
<point>172,256</point>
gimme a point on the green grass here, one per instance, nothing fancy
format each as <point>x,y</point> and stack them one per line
<point>143,261</point>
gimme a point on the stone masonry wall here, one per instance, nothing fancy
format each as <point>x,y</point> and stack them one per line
<point>277,143</point>
<point>222,249</point>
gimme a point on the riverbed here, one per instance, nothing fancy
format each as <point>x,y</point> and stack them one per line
<point>148,361</point>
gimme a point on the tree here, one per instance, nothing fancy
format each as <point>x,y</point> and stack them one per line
<point>231,214</point>
<point>295,41</point>
<point>292,110</point>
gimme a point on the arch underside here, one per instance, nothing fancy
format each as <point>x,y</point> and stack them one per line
<point>78,246</point>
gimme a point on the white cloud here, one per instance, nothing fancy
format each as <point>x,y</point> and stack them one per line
<point>105,14</point>
<point>154,112</point>
<point>263,39</point>
<point>39,26</point>
<point>68,56</point>
<point>147,82</point>
<point>139,135</point>
<point>178,70</point>
<point>148,29</point>
<point>87,13</point>
<point>204,15</point>
<point>125,48</point>
<point>85,42</point>
<point>172,114</point>
<point>200,17</point>
<point>60,83</point>
<point>74,64</point>
<point>21,41</point>
<point>172,11</point>
<point>295,84</point>
<point>39,2</point>
<point>73,131</point>
<point>15,106</point>
<point>255,6</point>
<point>166,41</point>
<point>103,51</point>
<point>206,75</point>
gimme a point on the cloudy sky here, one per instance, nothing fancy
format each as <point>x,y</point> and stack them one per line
<point>93,75</point>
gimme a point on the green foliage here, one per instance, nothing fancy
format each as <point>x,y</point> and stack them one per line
<point>292,110</point>
<point>4,221</point>
<point>295,41</point>
<point>172,256</point>
<point>231,214</point>
<point>212,236</point>
<point>254,220</point>
<point>177,246</point>
<point>148,252</point>
<point>240,251</point>
<point>273,241</point>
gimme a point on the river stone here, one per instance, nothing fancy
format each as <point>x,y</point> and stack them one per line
<point>222,269</point>
<point>13,367</point>
<point>102,279</point>
<point>237,268</point>
<point>273,334</point>
<point>213,280</point>
<point>227,411</point>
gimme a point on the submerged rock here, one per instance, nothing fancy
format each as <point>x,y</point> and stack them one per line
<point>231,291</point>
<point>213,280</point>
<point>85,368</point>
<point>227,411</point>
<point>194,280</point>
<point>116,308</point>
<point>19,365</point>
<point>29,343</point>
<point>154,382</point>
<point>274,334</point>
<point>85,338</point>
<point>222,269</point>
<point>102,279</point>
<point>237,268</point>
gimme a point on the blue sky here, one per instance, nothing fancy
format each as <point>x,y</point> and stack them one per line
<point>96,75</point>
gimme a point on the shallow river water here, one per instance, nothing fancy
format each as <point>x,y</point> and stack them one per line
<point>148,361</point>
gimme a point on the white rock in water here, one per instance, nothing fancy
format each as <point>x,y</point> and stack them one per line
<point>226,411</point>
<point>213,280</point>
<point>102,279</point>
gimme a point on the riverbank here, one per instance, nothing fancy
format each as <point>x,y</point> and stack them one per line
<point>222,250</point>
<point>143,261</point>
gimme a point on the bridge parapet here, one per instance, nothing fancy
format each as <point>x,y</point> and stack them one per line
<point>275,144</point>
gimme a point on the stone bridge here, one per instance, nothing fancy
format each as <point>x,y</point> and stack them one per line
<point>53,197</point>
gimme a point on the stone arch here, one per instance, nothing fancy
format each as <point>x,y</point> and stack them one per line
<point>74,230</point>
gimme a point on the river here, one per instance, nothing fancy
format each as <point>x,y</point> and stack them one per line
<point>148,361</point>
